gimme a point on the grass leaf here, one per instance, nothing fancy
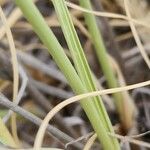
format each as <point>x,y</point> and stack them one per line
<point>103,58</point>
<point>48,38</point>
<point>83,68</point>
<point>5,136</point>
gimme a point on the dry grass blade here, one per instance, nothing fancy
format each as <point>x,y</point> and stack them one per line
<point>52,22</point>
<point>124,139</point>
<point>15,71</point>
<point>12,19</point>
<point>128,118</point>
<point>52,131</point>
<point>24,79</point>
<point>135,34</point>
<point>140,135</point>
<point>79,139</point>
<point>80,26</point>
<point>15,15</point>
<point>129,139</point>
<point>107,14</point>
<point>37,64</point>
<point>90,142</point>
<point>56,109</point>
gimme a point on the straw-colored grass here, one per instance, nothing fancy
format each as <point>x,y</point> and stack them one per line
<point>15,72</point>
<point>56,109</point>
<point>135,34</point>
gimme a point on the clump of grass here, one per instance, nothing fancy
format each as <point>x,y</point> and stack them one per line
<point>80,62</point>
<point>79,78</point>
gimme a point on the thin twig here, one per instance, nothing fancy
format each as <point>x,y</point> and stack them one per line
<point>46,105</point>
<point>56,133</point>
<point>36,95</point>
<point>20,93</point>
<point>37,64</point>
<point>51,90</point>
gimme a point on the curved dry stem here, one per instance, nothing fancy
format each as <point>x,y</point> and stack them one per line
<point>15,71</point>
<point>56,109</point>
<point>15,15</point>
<point>127,118</point>
<point>128,139</point>
<point>12,19</point>
<point>107,14</point>
<point>80,26</point>
<point>131,140</point>
<point>24,79</point>
<point>53,22</point>
<point>90,142</point>
<point>135,34</point>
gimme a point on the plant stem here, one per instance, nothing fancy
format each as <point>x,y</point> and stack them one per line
<point>47,37</point>
<point>5,136</point>
<point>102,55</point>
<point>81,63</point>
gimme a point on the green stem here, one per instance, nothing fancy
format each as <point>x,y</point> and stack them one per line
<point>102,54</point>
<point>47,37</point>
<point>81,62</point>
<point>75,47</point>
